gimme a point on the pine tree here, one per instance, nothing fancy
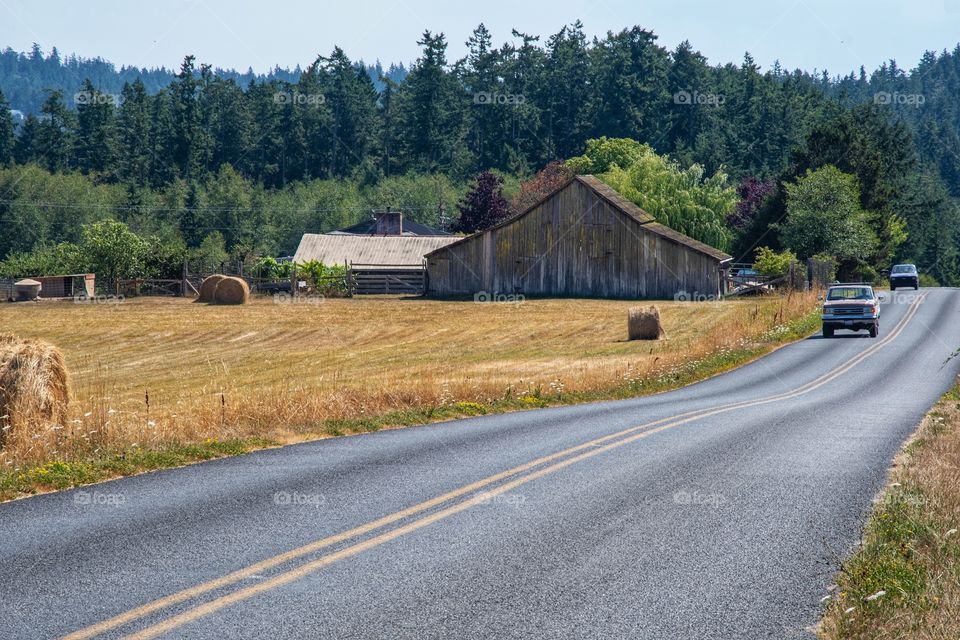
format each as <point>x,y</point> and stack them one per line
<point>135,132</point>
<point>6,131</point>
<point>95,130</point>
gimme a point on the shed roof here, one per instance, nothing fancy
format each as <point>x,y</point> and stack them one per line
<point>621,204</point>
<point>333,249</point>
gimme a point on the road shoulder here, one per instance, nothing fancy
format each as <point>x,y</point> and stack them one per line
<point>903,581</point>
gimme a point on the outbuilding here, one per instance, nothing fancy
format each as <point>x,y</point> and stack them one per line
<point>582,240</point>
<point>382,255</point>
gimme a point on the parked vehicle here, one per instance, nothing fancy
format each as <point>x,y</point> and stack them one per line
<point>904,275</point>
<point>852,306</point>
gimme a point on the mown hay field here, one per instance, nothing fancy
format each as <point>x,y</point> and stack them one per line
<point>149,371</point>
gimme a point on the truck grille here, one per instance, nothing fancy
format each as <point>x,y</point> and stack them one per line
<point>847,311</point>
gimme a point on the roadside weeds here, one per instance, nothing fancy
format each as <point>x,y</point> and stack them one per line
<point>904,579</point>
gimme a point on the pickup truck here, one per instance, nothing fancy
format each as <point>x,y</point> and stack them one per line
<point>851,306</point>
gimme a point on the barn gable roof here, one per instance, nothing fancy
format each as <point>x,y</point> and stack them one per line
<point>619,203</point>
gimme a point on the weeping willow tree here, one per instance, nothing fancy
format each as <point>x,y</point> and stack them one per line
<point>683,199</point>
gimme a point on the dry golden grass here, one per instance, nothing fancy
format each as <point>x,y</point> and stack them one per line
<point>911,546</point>
<point>150,371</point>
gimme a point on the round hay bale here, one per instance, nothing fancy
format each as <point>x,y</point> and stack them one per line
<point>34,385</point>
<point>208,287</point>
<point>232,291</point>
<point>643,323</point>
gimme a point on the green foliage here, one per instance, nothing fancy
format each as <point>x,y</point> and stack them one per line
<point>328,280</point>
<point>112,251</point>
<point>262,159</point>
<point>211,253</point>
<point>602,154</point>
<point>60,259</point>
<point>824,216</point>
<point>682,199</point>
<point>770,263</point>
<point>832,263</point>
<point>927,280</point>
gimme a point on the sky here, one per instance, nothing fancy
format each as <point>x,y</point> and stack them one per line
<point>836,35</point>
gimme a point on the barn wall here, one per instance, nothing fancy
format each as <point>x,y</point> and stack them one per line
<point>573,244</point>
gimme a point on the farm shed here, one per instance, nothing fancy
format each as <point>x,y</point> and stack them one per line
<point>583,239</point>
<point>377,264</point>
<point>67,286</point>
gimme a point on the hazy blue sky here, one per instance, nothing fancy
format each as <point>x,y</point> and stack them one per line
<point>839,35</point>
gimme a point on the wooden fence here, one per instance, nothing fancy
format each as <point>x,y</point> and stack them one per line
<point>366,279</point>
<point>7,292</point>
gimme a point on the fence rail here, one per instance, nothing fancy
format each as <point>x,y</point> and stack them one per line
<point>369,279</point>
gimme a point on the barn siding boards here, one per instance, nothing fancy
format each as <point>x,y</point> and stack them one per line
<point>582,240</point>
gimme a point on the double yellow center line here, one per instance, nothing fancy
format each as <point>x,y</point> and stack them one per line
<point>554,462</point>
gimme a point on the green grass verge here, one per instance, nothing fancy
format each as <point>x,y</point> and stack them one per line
<point>66,474</point>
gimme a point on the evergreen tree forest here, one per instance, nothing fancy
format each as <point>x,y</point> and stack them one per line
<point>246,163</point>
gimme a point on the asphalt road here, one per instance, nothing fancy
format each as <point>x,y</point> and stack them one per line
<point>607,520</point>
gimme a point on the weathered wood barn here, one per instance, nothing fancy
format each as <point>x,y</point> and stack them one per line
<point>583,239</point>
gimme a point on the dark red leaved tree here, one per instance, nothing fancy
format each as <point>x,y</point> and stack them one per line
<point>536,188</point>
<point>483,206</point>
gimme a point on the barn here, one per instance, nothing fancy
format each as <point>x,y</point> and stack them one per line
<point>582,240</point>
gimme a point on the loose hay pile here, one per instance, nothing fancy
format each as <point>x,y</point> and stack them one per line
<point>208,287</point>
<point>643,323</point>
<point>232,291</point>
<point>34,385</point>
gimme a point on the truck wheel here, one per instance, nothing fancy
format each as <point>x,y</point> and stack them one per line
<point>916,286</point>
<point>892,288</point>
<point>828,332</point>
<point>874,330</point>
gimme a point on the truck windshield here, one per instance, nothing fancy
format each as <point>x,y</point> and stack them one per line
<point>850,293</point>
<point>902,268</point>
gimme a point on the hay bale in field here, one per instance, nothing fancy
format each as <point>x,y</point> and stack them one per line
<point>208,287</point>
<point>643,323</point>
<point>34,385</point>
<point>232,291</point>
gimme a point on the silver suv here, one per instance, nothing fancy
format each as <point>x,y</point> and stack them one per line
<point>904,275</point>
<point>851,306</point>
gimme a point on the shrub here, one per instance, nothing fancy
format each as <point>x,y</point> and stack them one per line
<point>770,263</point>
